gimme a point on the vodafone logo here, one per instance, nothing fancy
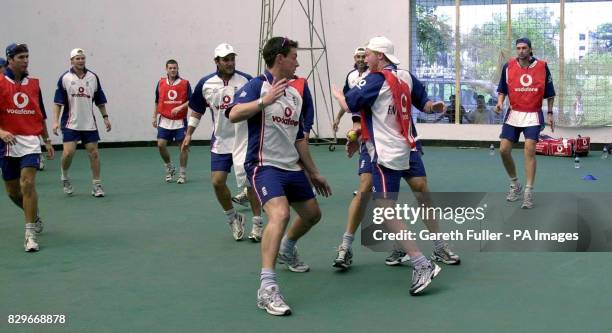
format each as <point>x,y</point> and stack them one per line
<point>81,90</point>
<point>288,112</point>
<point>404,101</point>
<point>226,99</point>
<point>172,95</point>
<point>559,148</point>
<point>526,80</point>
<point>21,100</point>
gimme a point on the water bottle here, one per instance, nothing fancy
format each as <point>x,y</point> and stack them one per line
<point>577,162</point>
<point>492,150</point>
<point>604,153</point>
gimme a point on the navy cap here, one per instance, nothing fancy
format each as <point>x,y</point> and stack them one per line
<point>14,49</point>
<point>523,40</point>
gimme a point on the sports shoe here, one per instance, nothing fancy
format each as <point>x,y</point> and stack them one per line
<point>271,300</point>
<point>38,225</point>
<point>527,200</point>
<point>241,198</point>
<point>293,262</point>
<point>422,276</point>
<point>256,232</point>
<point>445,255</point>
<point>237,226</point>
<point>355,193</point>
<point>344,258</point>
<point>30,244</point>
<point>170,171</point>
<point>97,191</point>
<point>67,187</point>
<point>397,257</point>
<point>514,192</point>
<point>181,179</point>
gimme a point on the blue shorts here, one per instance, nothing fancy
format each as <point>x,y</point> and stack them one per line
<point>11,166</point>
<point>171,135</point>
<point>271,182</point>
<point>84,136</point>
<point>386,180</point>
<point>513,133</point>
<point>221,162</point>
<point>365,163</point>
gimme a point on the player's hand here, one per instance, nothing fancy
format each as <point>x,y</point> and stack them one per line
<point>335,126</point>
<point>50,150</point>
<point>277,90</point>
<point>351,148</point>
<point>55,128</point>
<point>498,108</point>
<point>551,122</point>
<point>186,142</point>
<point>7,137</point>
<point>438,107</point>
<point>337,93</point>
<point>320,185</point>
<point>154,122</point>
<point>176,110</point>
<point>107,124</point>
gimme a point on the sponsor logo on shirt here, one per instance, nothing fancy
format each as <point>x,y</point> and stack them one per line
<point>21,100</point>
<point>81,93</point>
<point>172,95</point>
<point>526,81</point>
<point>226,103</point>
<point>286,120</point>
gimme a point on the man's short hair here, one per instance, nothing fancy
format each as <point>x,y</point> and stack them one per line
<point>14,49</point>
<point>275,46</point>
<point>171,62</point>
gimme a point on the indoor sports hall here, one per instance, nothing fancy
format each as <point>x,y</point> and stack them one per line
<point>154,255</point>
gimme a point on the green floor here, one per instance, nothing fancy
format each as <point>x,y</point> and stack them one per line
<point>156,257</point>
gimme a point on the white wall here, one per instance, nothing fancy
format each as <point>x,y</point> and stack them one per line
<point>127,43</point>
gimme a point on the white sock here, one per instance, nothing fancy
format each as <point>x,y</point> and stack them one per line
<point>96,181</point>
<point>287,245</point>
<point>230,214</point>
<point>182,170</point>
<point>64,174</point>
<point>514,182</point>
<point>29,229</point>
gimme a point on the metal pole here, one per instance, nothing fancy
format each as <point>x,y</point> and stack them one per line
<point>457,64</point>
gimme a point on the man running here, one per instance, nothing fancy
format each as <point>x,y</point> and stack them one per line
<point>273,105</point>
<point>216,91</point>
<point>78,89</point>
<point>171,98</point>
<point>22,124</point>
<point>386,97</point>
<point>526,81</point>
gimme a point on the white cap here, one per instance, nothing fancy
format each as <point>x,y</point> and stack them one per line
<point>76,52</point>
<point>224,49</point>
<point>385,46</point>
<point>360,50</point>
